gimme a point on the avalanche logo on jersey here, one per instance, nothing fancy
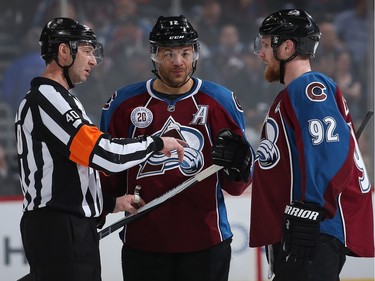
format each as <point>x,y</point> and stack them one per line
<point>193,158</point>
<point>268,153</point>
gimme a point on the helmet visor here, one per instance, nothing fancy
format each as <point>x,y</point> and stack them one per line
<point>91,48</point>
<point>257,45</point>
<point>187,53</point>
<point>260,44</point>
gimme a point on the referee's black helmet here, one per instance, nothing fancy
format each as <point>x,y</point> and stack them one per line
<point>65,30</point>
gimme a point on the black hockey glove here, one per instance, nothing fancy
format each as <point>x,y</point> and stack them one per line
<point>301,228</point>
<point>232,152</point>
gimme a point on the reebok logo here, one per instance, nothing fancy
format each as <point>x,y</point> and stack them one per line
<point>301,213</point>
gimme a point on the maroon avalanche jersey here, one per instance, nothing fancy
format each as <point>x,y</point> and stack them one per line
<point>195,219</point>
<point>308,152</point>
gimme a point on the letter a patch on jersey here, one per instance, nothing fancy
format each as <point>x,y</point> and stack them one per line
<point>200,117</point>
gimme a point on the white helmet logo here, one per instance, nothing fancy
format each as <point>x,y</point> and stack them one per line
<point>176,37</point>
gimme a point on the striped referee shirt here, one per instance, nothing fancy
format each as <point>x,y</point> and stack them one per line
<point>60,151</point>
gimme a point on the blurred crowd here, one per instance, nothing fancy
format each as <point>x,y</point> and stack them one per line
<point>226,32</point>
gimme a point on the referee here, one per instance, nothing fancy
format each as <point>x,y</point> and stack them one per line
<point>60,152</point>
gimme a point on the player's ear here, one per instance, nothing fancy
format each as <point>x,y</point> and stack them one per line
<point>289,46</point>
<point>286,45</point>
<point>63,52</point>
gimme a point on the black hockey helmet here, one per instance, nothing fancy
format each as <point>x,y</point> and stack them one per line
<point>65,30</point>
<point>173,32</point>
<point>293,24</point>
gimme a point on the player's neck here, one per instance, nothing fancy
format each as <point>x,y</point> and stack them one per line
<point>161,87</point>
<point>295,69</point>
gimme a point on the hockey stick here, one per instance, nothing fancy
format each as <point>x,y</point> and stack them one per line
<point>161,199</point>
<point>364,123</point>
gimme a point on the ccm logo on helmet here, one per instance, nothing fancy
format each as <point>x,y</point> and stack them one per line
<point>301,213</point>
<point>176,37</point>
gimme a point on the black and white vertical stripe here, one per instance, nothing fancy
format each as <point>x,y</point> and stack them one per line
<point>44,136</point>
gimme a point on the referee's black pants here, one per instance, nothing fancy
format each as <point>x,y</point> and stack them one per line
<point>207,265</point>
<point>60,246</point>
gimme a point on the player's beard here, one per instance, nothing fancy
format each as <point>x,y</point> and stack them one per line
<point>173,81</point>
<point>272,71</point>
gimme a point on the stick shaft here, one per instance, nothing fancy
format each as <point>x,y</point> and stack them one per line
<point>161,199</point>
<point>364,123</point>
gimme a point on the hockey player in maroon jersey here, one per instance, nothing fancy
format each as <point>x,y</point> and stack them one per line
<point>188,237</point>
<point>311,196</point>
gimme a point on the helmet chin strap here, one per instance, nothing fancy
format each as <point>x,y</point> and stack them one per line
<point>282,71</point>
<point>66,72</point>
<point>282,65</point>
<point>156,73</point>
<point>66,75</point>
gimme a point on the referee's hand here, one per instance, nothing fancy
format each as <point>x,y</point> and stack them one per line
<point>173,144</point>
<point>129,203</point>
